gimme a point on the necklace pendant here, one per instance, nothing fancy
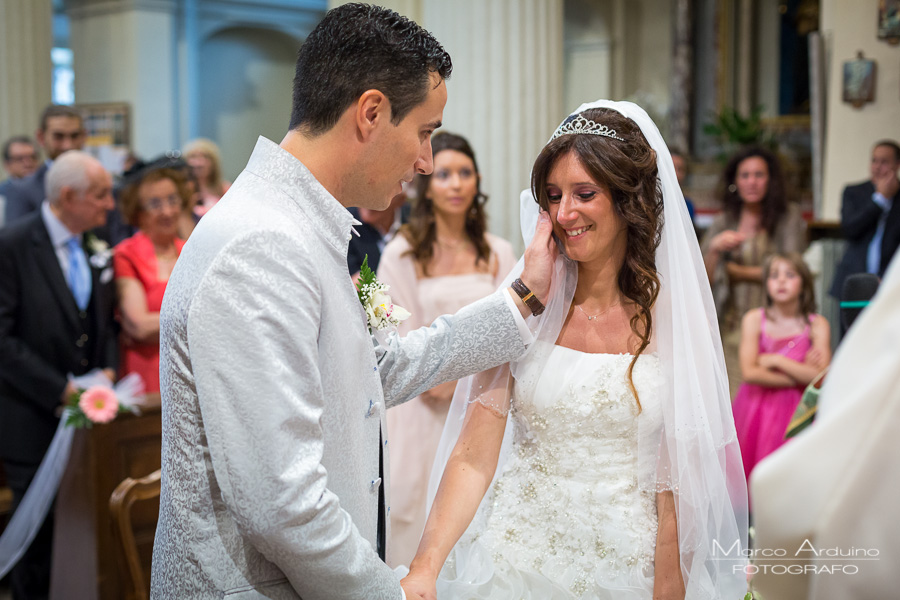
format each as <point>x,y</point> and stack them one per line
<point>589,318</point>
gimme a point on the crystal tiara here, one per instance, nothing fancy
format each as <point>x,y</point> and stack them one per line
<point>580,124</point>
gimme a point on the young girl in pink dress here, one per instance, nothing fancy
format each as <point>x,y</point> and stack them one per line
<point>784,346</point>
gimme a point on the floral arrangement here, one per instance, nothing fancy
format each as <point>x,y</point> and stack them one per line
<point>97,401</point>
<point>380,311</point>
<point>97,404</point>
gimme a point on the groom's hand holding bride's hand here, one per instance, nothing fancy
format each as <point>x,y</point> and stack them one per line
<point>539,259</point>
<point>417,587</point>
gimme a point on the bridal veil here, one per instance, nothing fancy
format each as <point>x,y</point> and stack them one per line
<point>697,455</point>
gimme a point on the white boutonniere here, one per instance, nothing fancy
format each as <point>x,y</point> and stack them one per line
<point>382,314</point>
<point>100,251</point>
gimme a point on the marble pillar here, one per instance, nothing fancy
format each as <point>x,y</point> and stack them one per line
<point>125,51</point>
<point>26,70</point>
<point>682,80</point>
<point>505,94</point>
<point>745,60</point>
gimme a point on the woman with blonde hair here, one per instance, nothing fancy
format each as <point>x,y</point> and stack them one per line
<point>205,160</point>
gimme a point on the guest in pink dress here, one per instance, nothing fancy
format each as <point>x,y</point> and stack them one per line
<point>784,346</point>
<point>143,263</point>
<point>441,261</point>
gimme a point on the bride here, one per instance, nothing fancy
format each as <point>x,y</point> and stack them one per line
<point>604,463</point>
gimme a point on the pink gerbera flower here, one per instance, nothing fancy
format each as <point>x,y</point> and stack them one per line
<point>99,404</point>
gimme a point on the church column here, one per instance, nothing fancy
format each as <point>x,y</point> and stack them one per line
<point>682,76</point>
<point>26,70</point>
<point>745,61</point>
<point>124,51</point>
<point>505,94</point>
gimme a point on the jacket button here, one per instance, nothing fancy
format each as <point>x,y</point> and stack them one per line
<point>82,314</point>
<point>84,362</point>
<point>79,342</point>
<point>376,483</point>
<point>84,337</point>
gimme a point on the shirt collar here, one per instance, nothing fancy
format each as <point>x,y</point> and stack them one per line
<point>59,233</point>
<point>283,170</point>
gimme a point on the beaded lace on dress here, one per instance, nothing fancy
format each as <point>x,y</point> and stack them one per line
<point>566,513</point>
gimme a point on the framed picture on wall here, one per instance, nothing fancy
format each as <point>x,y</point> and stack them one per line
<point>859,81</point>
<point>889,21</point>
<point>108,128</point>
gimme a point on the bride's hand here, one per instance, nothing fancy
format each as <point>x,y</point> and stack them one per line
<point>418,586</point>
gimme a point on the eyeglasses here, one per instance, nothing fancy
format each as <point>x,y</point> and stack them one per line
<point>22,158</point>
<point>61,136</point>
<point>157,204</point>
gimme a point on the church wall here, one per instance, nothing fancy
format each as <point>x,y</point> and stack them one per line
<point>647,41</point>
<point>851,132</point>
<point>245,91</point>
<point>127,55</point>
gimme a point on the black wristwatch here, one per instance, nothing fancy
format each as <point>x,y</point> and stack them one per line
<point>528,297</point>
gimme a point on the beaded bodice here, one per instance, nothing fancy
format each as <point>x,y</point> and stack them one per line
<point>567,503</point>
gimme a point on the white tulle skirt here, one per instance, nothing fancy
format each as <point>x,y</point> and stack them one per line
<point>589,541</point>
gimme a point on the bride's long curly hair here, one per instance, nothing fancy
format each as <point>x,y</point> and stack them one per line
<point>628,168</point>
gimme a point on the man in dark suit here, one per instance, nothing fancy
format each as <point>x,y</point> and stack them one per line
<point>377,229</point>
<point>56,302</point>
<point>61,129</point>
<point>870,218</point>
<point>20,159</point>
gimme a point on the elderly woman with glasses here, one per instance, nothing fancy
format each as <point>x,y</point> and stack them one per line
<point>153,202</point>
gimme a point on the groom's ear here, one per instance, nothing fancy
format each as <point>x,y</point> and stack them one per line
<point>373,109</point>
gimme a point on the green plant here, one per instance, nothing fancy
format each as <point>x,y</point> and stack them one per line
<point>732,129</point>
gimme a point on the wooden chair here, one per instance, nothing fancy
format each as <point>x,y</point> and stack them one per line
<point>135,581</point>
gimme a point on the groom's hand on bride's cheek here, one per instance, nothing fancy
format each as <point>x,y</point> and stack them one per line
<point>539,258</point>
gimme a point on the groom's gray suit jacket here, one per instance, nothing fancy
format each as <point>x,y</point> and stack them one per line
<point>274,398</point>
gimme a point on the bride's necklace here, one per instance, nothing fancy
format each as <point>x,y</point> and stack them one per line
<point>599,314</point>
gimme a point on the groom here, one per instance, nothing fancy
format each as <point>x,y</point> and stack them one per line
<point>273,395</point>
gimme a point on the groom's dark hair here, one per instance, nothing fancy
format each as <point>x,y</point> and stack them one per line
<point>359,47</point>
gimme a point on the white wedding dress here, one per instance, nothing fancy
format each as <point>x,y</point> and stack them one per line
<point>566,518</point>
